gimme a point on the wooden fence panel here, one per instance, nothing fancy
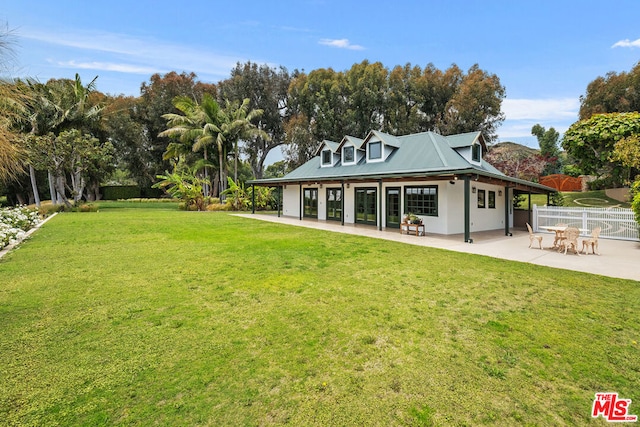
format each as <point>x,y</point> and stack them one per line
<point>562,182</point>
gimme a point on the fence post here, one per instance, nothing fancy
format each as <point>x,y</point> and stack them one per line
<point>535,218</point>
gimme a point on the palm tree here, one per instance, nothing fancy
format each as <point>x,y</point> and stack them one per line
<point>54,107</point>
<point>11,105</point>
<point>237,125</point>
<point>198,126</point>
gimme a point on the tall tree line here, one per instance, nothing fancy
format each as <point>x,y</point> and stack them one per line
<point>297,111</point>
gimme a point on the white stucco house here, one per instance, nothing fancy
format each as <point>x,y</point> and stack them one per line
<point>376,180</point>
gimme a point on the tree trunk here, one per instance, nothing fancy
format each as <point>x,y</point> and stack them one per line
<point>62,198</point>
<point>52,188</point>
<point>206,188</point>
<point>235,164</point>
<point>221,166</point>
<point>34,186</point>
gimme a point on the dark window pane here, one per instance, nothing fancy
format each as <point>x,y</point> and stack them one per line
<point>421,200</point>
<point>348,154</point>
<point>326,157</point>
<point>375,150</point>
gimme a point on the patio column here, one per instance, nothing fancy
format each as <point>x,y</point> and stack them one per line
<point>253,198</point>
<point>507,202</point>
<point>279,195</point>
<point>342,196</point>
<point>467,209</point>
<point>300,203</point>
<point>380,204</point>
<point>529,210</point>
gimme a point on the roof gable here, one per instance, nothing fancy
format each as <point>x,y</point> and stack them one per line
<point>466,140</point>
<point>333,146</point>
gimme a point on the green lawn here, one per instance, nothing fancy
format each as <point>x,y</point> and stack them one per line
<point>587,199</point>
<point>135,316</point>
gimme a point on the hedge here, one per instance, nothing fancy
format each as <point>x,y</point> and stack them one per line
<point>117,192</point>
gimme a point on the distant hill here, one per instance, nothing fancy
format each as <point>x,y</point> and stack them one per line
<point>512,148</point>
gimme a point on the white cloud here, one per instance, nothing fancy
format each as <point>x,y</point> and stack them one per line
<point>541,110</point>
<point>627,43</point>
<point>108,66</point>
<point>522,114</point>
<point>118,52</point>
<point>341,43</point>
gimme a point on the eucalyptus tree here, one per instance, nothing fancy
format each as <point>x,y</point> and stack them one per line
<point>267,90</point>
<point>366,87</point>
<point>613,93</point>
<point>475,105</point>
<point>156,99</point>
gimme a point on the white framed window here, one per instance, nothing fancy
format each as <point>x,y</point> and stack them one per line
<point>348,154</point>
<point>326,158</point>
<point>476,152</point>
<point>374,150</point>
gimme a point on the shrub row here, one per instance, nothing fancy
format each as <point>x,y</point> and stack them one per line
<point>119,192</point>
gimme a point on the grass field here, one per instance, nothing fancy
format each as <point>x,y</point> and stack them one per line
<point>138,316</point>
<point>592,199</point>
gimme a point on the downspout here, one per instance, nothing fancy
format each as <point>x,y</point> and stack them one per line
<point>467,209</point>
<point>380,204</point>
<point>506,211</point>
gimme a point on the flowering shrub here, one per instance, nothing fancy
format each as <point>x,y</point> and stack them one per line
<point>15,222</point>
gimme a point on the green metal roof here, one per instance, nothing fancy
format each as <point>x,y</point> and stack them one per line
<point>422,154</point>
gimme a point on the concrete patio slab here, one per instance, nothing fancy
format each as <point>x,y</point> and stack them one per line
<point>618,258</point>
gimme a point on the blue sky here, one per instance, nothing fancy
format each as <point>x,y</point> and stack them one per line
<point>544,52</point>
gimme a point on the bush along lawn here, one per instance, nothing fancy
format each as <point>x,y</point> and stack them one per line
<point>15,222</point>
<point>165,317</point>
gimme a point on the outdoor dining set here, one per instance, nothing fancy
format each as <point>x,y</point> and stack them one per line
<point>566,238</point>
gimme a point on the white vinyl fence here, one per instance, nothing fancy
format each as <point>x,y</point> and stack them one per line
<point>616,223</point>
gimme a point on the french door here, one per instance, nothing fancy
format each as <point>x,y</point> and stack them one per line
<point>311,203</point>
<point>366,206</point>
<point>334,204</point>
<point>393,208</point>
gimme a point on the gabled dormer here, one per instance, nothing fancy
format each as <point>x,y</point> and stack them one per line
<point>350,150</point>
<point>470,145</point>
<point>329,154</point>
<point>378,146</point>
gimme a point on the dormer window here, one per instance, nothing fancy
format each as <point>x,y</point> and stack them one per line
<point>348,155</point>
<point>326,157</point>
<point>375,150</point>
<point>476,152</point>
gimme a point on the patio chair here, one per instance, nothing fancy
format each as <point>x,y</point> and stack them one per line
<point>533,237</point>
<point>592,241</point>
<point>571,235</point>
